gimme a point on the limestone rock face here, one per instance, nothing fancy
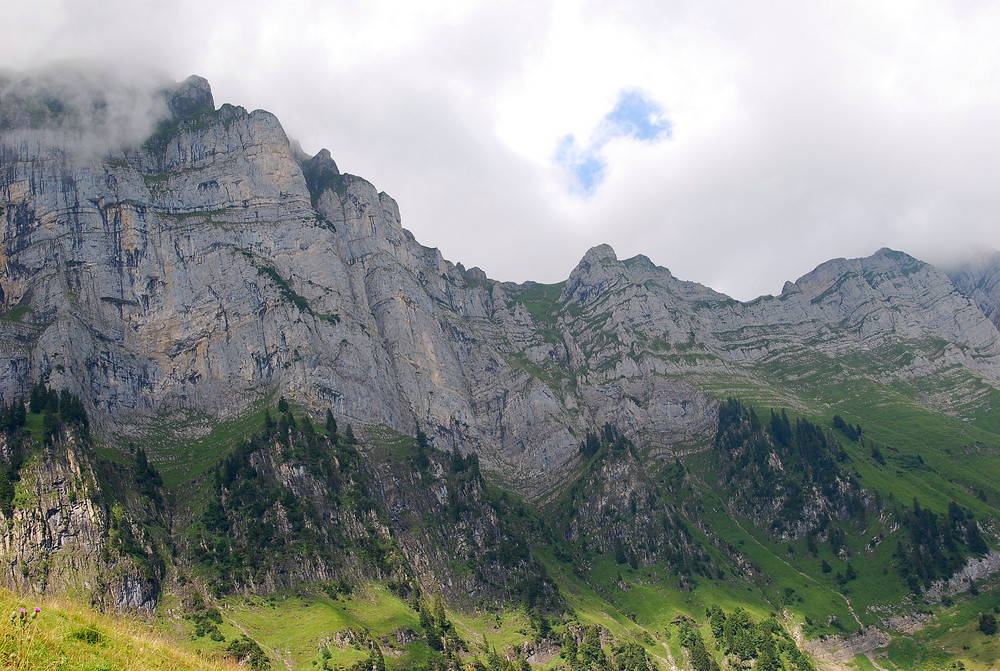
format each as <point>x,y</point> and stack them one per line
<point>212,265</point>
<point>843,313</point>
<point>980,281</point>
<point>57,536</point>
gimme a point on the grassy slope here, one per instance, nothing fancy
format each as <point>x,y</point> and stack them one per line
<point>650,602</point>
<point>70,637</point>
<point>300,629</point>
<point>959,460</point>
<point>184,445</point>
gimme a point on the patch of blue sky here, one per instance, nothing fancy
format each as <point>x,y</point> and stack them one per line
<point>585,166</point>
<point>638,117</point>
<point>635,116</point>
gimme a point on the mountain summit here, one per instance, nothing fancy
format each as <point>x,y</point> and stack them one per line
<point>183,294</point>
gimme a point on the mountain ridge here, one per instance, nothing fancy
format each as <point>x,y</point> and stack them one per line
<point>220,193</point>
<point>187,285</point>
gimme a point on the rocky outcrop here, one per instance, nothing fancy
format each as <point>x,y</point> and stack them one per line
<point>293,507</point>
<point>62,538</point>
<point>836,653</point>
<point>975,569</point>
<point>979,280</point>
<point>461,539</point>
<point>785,477</point>
<point>615,509</point>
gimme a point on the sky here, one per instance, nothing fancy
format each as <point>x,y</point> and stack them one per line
<point>737,144</point>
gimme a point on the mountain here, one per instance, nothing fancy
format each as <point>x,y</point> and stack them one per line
<point>979,279</point>
<point>244,377</point>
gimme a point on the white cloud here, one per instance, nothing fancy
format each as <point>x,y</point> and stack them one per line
<point>800,131</point>
<point>634,118</point>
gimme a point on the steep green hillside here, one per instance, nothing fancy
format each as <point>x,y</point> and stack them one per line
<point>307,544</point>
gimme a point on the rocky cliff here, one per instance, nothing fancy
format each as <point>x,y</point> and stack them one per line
<point>979,279</point>
<point>65,533</point>
<point>210,264</point>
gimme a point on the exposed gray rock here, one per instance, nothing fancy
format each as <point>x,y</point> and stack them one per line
<point>57,537</point>
<point>214,265</point>
<point>976,568</point>
<point>837,653</point>
<point>192,96</point>
<point>979,279</point>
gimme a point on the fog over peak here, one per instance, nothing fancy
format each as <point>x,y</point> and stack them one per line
<point>85,108</point>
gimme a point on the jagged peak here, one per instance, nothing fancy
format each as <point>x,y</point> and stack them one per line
<point>596,269</point>
<point>475,274</point>
<point>320,171</point>
<point>192,96</point>
<point>789,288</point>
<point>323,162</point>
<point>599,253</point>
<point>827,274</point>
<point>895,256</point>
<point>641,260</point>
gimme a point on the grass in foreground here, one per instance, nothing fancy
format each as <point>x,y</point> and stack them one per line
<point>69,637</point>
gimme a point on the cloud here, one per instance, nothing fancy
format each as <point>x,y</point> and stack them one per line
<point>85,108</point>
<point>798,132</point>
<point>634,117</point>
